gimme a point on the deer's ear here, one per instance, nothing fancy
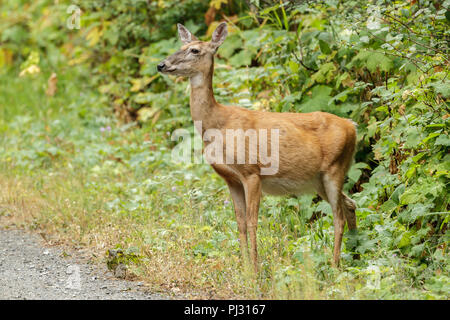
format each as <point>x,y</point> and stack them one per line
<point>219,35</point>
<point>185,35</point>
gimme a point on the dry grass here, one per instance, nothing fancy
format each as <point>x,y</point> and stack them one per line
<point>57,207</point>
<point>52,211</point>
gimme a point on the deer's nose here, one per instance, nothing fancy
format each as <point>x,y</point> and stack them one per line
<point>161,66</point>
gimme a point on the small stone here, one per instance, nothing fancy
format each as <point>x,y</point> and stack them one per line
<point>121,271</point>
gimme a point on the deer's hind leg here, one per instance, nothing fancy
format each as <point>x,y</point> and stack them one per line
<point>252,186</point>
<point>333,181</point>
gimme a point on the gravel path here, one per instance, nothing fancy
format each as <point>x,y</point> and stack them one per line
<point>29,270</point>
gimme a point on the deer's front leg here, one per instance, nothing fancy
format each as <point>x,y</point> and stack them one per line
<point>238,196</point>
<point>252,187</point>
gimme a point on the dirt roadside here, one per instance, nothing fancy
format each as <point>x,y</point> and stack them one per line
<point>31,270</point>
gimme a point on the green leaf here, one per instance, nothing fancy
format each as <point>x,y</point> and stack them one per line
<point>419,191</point>
<point>414,211</point>
<point>442,140</point>
<point>366,245</point>
<point>442,88</point>
<point>294,66</point>
<point>372,60</point>
<point>355,171</point>
<point>320,97</point>
<point>326,73</point>
<point>234,42</point>
<point>243,58</point>
<point>397,192</point>
<point>431,136</point>
<point>324,47</point>
<point>379,60</point>
<point>112,35</point>
<point>404,240</point>
<point>413,137</point>
<point>342,96</point>
<point>389,206</point>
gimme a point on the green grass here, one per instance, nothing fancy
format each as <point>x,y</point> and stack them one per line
<point>62,175</point>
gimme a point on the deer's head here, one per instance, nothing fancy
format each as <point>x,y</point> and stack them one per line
<point>195,56</point>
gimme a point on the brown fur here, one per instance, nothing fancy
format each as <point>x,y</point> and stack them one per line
<point>315,149</point>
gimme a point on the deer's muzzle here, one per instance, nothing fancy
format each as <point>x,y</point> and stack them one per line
<point>161,66</point>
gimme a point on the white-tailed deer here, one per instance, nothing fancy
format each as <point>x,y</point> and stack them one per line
<point>315,149</point>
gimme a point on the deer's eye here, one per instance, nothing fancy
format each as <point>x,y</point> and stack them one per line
<point>195,51</point>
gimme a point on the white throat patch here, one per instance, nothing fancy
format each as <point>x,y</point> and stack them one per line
<point>197,80</point>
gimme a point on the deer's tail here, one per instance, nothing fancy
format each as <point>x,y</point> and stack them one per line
<point>349,203</point>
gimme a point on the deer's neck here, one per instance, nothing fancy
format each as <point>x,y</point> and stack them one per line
<point>203,104</point>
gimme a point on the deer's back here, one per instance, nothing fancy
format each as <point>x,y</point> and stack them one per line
<point>309,143</point>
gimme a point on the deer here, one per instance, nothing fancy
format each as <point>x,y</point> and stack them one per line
<point>315,150</point>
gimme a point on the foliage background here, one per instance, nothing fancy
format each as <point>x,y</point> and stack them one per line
<point>88,153</point>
